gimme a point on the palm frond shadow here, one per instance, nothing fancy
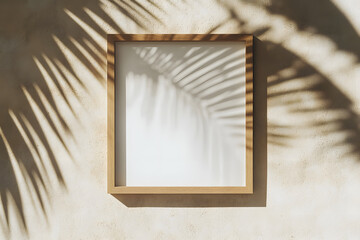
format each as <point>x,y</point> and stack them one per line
<point>201,87</point>
<point>312,16</point>
<point>39,43</point>
<point>322,96</point>
<point>300,88</point>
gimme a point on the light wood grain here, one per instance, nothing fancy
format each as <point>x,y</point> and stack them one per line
<point>110,116</point>
<point>112,39</point>
<point>181,190</point>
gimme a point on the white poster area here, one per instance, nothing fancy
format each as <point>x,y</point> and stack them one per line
<point>180,114</point>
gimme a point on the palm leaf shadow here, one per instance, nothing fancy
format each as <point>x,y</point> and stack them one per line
<point>306,79</point>
<point>341,117</point>
<point>312,17</point>
<point>30,35</point>
<point>39,43</point>
<point>200,83</point>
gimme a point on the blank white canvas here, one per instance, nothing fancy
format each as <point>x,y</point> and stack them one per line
<point>180,113</point>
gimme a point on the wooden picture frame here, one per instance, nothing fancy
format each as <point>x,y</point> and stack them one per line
<point>112,39</point>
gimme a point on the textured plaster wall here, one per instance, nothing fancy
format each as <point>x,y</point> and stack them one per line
<point>53,121</point>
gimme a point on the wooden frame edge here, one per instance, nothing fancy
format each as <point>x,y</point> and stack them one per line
<point>181,190</point>
<point>110,84</point>
<point>249,98</point>
<point>111,40</point>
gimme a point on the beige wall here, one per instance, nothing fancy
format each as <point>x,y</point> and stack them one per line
<point>53,121</point>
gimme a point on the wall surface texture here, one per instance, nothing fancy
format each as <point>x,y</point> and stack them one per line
<point>53,121</point>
